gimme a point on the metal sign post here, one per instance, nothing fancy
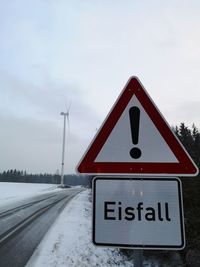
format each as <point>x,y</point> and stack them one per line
<point>138,258</point>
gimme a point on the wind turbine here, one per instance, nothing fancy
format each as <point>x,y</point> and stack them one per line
<point>65,114</point>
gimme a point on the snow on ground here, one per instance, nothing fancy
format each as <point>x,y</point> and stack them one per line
<point>68,242</point>
<point>10,192</point>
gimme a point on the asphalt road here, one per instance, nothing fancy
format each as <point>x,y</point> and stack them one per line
<point>24,223</point>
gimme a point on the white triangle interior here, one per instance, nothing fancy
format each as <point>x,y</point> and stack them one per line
<point>119,143</point>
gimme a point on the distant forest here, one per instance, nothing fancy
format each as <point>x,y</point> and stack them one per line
<point>17,176</point>
<point>190,138</point>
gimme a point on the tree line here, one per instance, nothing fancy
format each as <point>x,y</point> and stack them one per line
<point>190,138</point>
<point>18,176</point>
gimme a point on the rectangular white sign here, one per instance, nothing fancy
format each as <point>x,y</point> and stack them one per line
<point>138,213</point>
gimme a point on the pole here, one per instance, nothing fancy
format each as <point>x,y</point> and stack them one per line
<point>138,258</point>
<point>63,149</point>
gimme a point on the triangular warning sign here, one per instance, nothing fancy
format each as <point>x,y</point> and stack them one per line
<point>136,139</point>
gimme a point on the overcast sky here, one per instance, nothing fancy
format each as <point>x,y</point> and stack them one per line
<point>57,53</point>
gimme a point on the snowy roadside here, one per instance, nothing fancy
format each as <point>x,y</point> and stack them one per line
<point>68,242</point>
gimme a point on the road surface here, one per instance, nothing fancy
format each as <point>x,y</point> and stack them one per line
<point>24,223</point>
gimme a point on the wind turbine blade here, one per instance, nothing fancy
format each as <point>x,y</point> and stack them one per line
<point>68,124</point>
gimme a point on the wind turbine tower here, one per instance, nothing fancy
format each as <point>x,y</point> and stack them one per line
<point>65,114</point>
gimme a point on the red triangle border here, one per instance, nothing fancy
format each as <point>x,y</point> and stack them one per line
<point>185,166</point>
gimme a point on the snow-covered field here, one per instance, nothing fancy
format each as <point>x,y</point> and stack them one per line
<point>10,192</point>
<point>68,241</point>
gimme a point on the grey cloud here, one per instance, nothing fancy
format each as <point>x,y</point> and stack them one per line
<point>45,100</point>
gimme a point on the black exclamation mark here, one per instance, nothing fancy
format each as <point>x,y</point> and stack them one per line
<point>134,114</point>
